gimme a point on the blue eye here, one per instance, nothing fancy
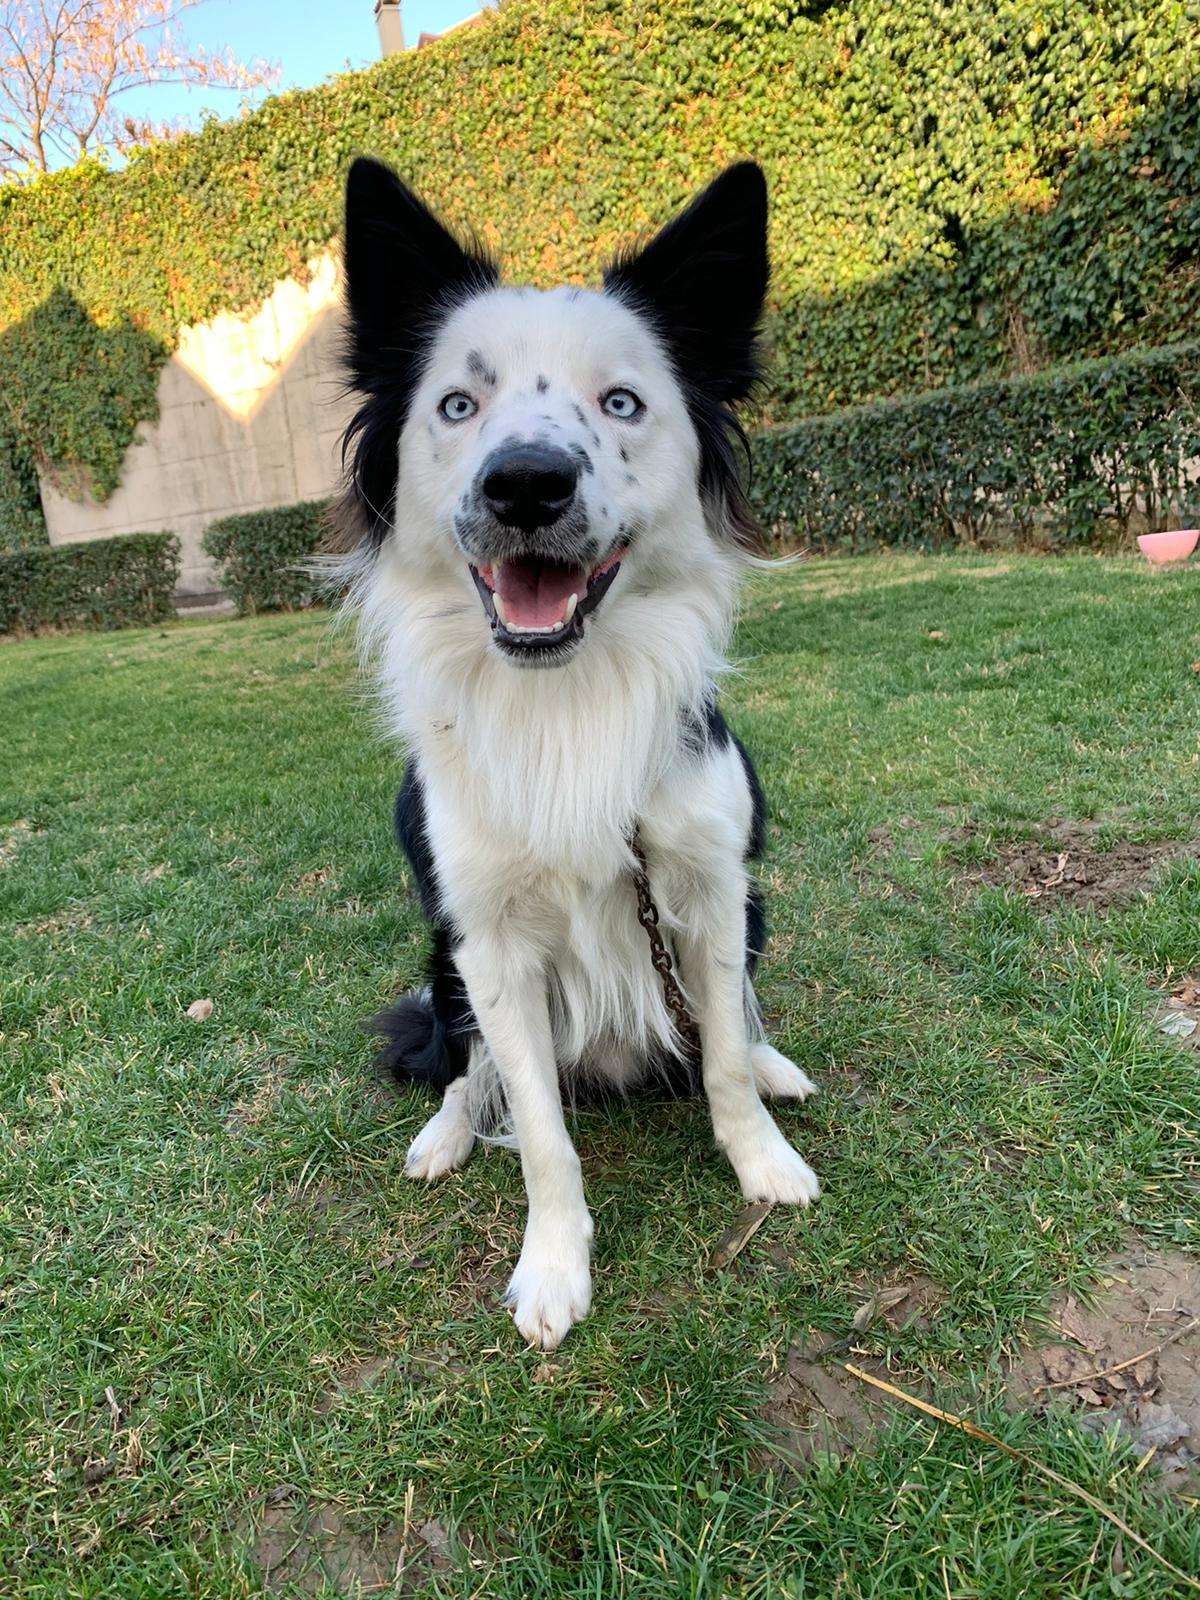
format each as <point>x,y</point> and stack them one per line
<point>457,406</point>
<point>623,404</point>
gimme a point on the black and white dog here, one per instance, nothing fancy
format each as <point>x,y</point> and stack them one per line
<point>547,532</point>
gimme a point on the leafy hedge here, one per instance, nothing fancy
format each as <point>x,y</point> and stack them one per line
<point>107,583</point>
<point>1051,459</point>
<point>262,555</point>
<point>961,189</point>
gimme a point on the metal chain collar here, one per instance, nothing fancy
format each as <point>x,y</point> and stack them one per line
<point>660,956</point>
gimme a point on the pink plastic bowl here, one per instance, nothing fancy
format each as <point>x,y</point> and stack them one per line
<point>1174,546</point>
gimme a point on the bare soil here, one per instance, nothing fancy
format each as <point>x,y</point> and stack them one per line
<point>302,1546</point>
<point>1064,864</point>
<point>814,1405</point>
<point>1148,1308</point>
<point>1129,1360</point>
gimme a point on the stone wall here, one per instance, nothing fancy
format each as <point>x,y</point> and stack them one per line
<point>250,415</point>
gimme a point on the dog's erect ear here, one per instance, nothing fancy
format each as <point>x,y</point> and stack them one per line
<point>702,281</point>
<point>403,270</point>
<point>404,273</point>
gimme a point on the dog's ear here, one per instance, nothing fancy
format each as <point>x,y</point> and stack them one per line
<point>404,273</point>
<point>404,270</point>
<point>702,281</point>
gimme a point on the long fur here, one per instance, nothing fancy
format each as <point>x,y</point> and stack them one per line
<point>533,762</point>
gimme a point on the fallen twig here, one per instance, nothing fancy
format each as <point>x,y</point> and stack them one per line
<point>1105,1372</point>
<point>965,1425</point>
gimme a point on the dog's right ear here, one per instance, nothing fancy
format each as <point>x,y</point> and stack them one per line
<point>404,273</point>
<point>404,270</point>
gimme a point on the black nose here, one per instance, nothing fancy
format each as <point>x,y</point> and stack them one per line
<point>529,486</point>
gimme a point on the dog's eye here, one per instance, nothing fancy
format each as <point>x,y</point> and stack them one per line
<point>457,406</point>
<point>622,403</point>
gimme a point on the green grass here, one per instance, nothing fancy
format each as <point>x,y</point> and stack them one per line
<point>210,1220</point>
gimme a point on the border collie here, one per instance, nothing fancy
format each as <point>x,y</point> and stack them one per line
<point>547,530</point>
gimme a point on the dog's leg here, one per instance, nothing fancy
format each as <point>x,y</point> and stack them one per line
<point>712,958</point>
<point>551,1288</point>
<point>447,1139</point>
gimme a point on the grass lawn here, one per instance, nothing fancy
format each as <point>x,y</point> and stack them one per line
<point>229,1325</point>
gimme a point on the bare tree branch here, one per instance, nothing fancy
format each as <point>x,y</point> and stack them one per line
<point>63,66</point>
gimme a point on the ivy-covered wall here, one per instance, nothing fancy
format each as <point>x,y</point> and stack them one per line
<point>960,188</point>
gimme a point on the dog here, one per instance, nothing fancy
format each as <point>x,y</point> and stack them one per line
<point>546,528</point>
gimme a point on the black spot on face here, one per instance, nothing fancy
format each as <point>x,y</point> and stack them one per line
<point>543,384</point>
<point>624,453</point>
<point>579,416</point>
<point>630,478</point>
<point>586,465</point>
<point>478,368</point>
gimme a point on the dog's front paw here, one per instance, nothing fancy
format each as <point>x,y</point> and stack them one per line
<point>769,1169</point>
<point>551,1289</point>
<point>442,1145</point>
<point>777,1078</point>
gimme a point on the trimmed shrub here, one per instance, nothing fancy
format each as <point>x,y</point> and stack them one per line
<point>1053,460</point>
<point>262,555</point>
<point>960,189</point>
<point>107,583</point>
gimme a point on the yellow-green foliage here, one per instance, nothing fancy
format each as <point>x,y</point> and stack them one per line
<point>960,189</point>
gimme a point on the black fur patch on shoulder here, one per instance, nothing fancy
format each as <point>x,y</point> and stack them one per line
<point>405,273</point>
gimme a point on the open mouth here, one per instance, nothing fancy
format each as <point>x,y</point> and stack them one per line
<point>535,605</point>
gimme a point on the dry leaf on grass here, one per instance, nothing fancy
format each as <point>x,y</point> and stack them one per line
<point>736,1237</point>
<point>881,1300</point>
<point>200,1010</point>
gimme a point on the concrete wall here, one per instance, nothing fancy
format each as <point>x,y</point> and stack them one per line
<point>250,415</point>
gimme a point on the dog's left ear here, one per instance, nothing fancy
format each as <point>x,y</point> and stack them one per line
<point>702,281</point>
<point>405,272</point>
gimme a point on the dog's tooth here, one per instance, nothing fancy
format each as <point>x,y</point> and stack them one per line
<point>498,604</point>
<point>570,611</point>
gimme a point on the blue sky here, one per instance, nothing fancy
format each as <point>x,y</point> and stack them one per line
<point>307,40</point>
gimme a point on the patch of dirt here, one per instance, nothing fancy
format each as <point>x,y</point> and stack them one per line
<point>263,1098</point>
<point>1064,864</point>
<point>302,1546</point>
<point>309,883</point>
<point>438,1367</point>
<point>12,837</point>
<point>353,1378</point>
<point>1130,1361</point>
<point>814,1405</point>
<point>73,920</point>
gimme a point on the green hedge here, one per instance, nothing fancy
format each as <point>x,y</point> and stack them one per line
<point>263,555</point>
<point>107,583</point>
<point>1059,458</point>
<point>961,189</point>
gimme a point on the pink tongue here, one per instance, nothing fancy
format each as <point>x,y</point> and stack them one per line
<point>535,593</point>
